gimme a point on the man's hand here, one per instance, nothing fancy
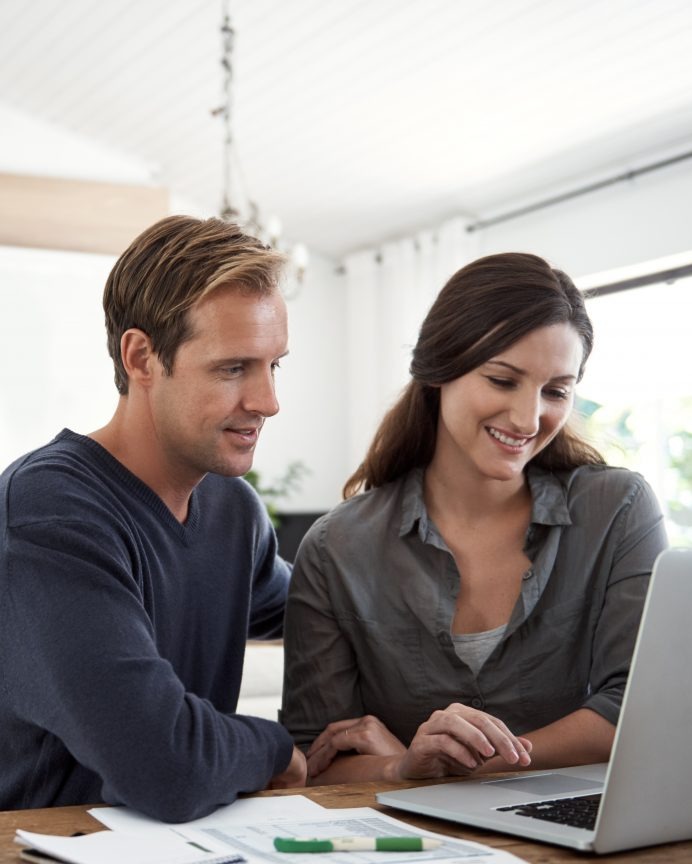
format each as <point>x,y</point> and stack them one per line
<point>294,775</point>
<point>365,735</point>
<point>458,740</point>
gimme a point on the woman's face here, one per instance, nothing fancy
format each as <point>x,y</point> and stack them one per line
<point>496,418</point>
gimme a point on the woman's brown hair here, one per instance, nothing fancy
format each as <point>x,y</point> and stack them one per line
<point>483,309</point>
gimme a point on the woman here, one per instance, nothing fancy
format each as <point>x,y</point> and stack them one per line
<point>475,607</point>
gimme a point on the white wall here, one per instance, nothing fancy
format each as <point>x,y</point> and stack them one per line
<point>639,220</point>
<point>31,146</point>
<point>54,365</point>
<point>311,426</point>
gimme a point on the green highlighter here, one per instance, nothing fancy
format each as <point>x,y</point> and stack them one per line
<point>355,844</point>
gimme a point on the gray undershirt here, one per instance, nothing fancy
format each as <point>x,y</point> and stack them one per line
<point>475,648</point>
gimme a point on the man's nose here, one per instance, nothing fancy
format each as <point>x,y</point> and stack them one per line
<point>260,396</point>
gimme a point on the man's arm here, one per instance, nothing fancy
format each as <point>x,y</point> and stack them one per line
<point>270,579</point>
<point>81,662</point>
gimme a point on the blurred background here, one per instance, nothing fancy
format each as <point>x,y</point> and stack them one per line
<point>382,144</point>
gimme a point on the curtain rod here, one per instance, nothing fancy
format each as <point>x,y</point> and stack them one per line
<point>670,275</point>
<point>575,193</point>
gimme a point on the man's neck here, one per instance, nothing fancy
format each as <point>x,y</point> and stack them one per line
<point>133,444</point>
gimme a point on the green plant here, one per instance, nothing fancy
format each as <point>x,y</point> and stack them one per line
<point>280,488</point>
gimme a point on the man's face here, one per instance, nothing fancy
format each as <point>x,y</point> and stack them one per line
<point>209,412</point>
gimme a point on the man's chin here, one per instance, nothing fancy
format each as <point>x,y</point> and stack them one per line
<point>233,468</point>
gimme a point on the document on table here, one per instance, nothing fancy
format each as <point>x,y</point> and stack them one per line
<point>119,847</point>
<point>253,839</point>
<point>242,810</point>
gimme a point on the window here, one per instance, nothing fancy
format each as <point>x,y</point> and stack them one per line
<point>636,395</point>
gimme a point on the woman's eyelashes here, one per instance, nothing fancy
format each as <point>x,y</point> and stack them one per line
<point>557,393</point>
<point>503,383</point>
<point>511,384</point>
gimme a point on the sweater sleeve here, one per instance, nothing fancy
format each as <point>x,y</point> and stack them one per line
<point>271,578</point>
<point>81,662</point>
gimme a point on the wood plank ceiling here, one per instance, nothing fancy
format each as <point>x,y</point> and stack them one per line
<point>360,120</point>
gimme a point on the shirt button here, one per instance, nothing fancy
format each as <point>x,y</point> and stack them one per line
<point>528,574</point>
<point>445,638</point>
<point>477,703</point>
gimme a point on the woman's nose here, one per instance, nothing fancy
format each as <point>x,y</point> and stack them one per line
<point>525,412</point>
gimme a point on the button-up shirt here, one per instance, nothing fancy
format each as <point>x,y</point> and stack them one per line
<point>374,590</point>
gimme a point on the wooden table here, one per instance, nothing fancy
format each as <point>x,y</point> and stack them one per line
<point>68,820</point>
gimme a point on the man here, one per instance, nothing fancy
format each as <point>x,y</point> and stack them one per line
<point>134,562</point>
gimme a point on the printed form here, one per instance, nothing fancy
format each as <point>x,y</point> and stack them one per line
<point>249,833</point>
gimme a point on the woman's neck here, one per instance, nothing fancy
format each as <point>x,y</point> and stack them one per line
<point>469,498</point>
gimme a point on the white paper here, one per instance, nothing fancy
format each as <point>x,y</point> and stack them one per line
<point>255,841</point>
<point>248,827</point>
<point>119,847</point>
<point>243,810</point>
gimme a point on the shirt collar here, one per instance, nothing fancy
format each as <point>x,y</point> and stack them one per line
<point>548,494</point>
<point>412,504</point>
<point>549,497</point>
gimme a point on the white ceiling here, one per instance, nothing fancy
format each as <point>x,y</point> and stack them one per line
<point>361,120</point>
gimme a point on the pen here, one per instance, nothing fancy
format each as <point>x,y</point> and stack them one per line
<point>355,844</point>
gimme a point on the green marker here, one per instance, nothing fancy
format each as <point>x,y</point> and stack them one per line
<point>355,844</point>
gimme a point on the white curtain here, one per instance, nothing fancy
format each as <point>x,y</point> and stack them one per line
<point>389,290</point>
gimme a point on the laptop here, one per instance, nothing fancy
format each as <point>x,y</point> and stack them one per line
<point>643,795</point>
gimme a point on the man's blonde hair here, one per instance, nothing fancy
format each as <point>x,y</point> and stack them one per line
<point>168,268</point>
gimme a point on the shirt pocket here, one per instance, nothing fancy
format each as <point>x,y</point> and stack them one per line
<point>555,661</point>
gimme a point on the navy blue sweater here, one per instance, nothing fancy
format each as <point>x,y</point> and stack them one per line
<point>122,637</point>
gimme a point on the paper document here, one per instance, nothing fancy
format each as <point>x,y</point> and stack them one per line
<point>243,810</point>
<point>255,841</point>
<point>247,828</point>
<point>117,847</point>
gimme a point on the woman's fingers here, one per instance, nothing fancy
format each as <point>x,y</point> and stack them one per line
<point>456,740</point>
<point>366,735</point>
<point>320,760</point>
<point>325,737</point>
<point>459,739</point>
<point>509,744</point>
<point>482,732</point>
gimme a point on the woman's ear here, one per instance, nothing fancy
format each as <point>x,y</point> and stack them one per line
<point>137,355</point>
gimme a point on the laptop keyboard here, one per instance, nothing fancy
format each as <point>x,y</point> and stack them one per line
<point>580,812</point>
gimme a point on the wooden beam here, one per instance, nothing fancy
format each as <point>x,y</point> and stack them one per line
<point>79,215</point>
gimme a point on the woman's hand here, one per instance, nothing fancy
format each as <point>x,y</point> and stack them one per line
<point>293,775</point>
<point>458,740</point>
<point>366,735</point>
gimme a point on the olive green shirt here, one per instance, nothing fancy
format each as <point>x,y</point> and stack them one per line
<point>374,589</point>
